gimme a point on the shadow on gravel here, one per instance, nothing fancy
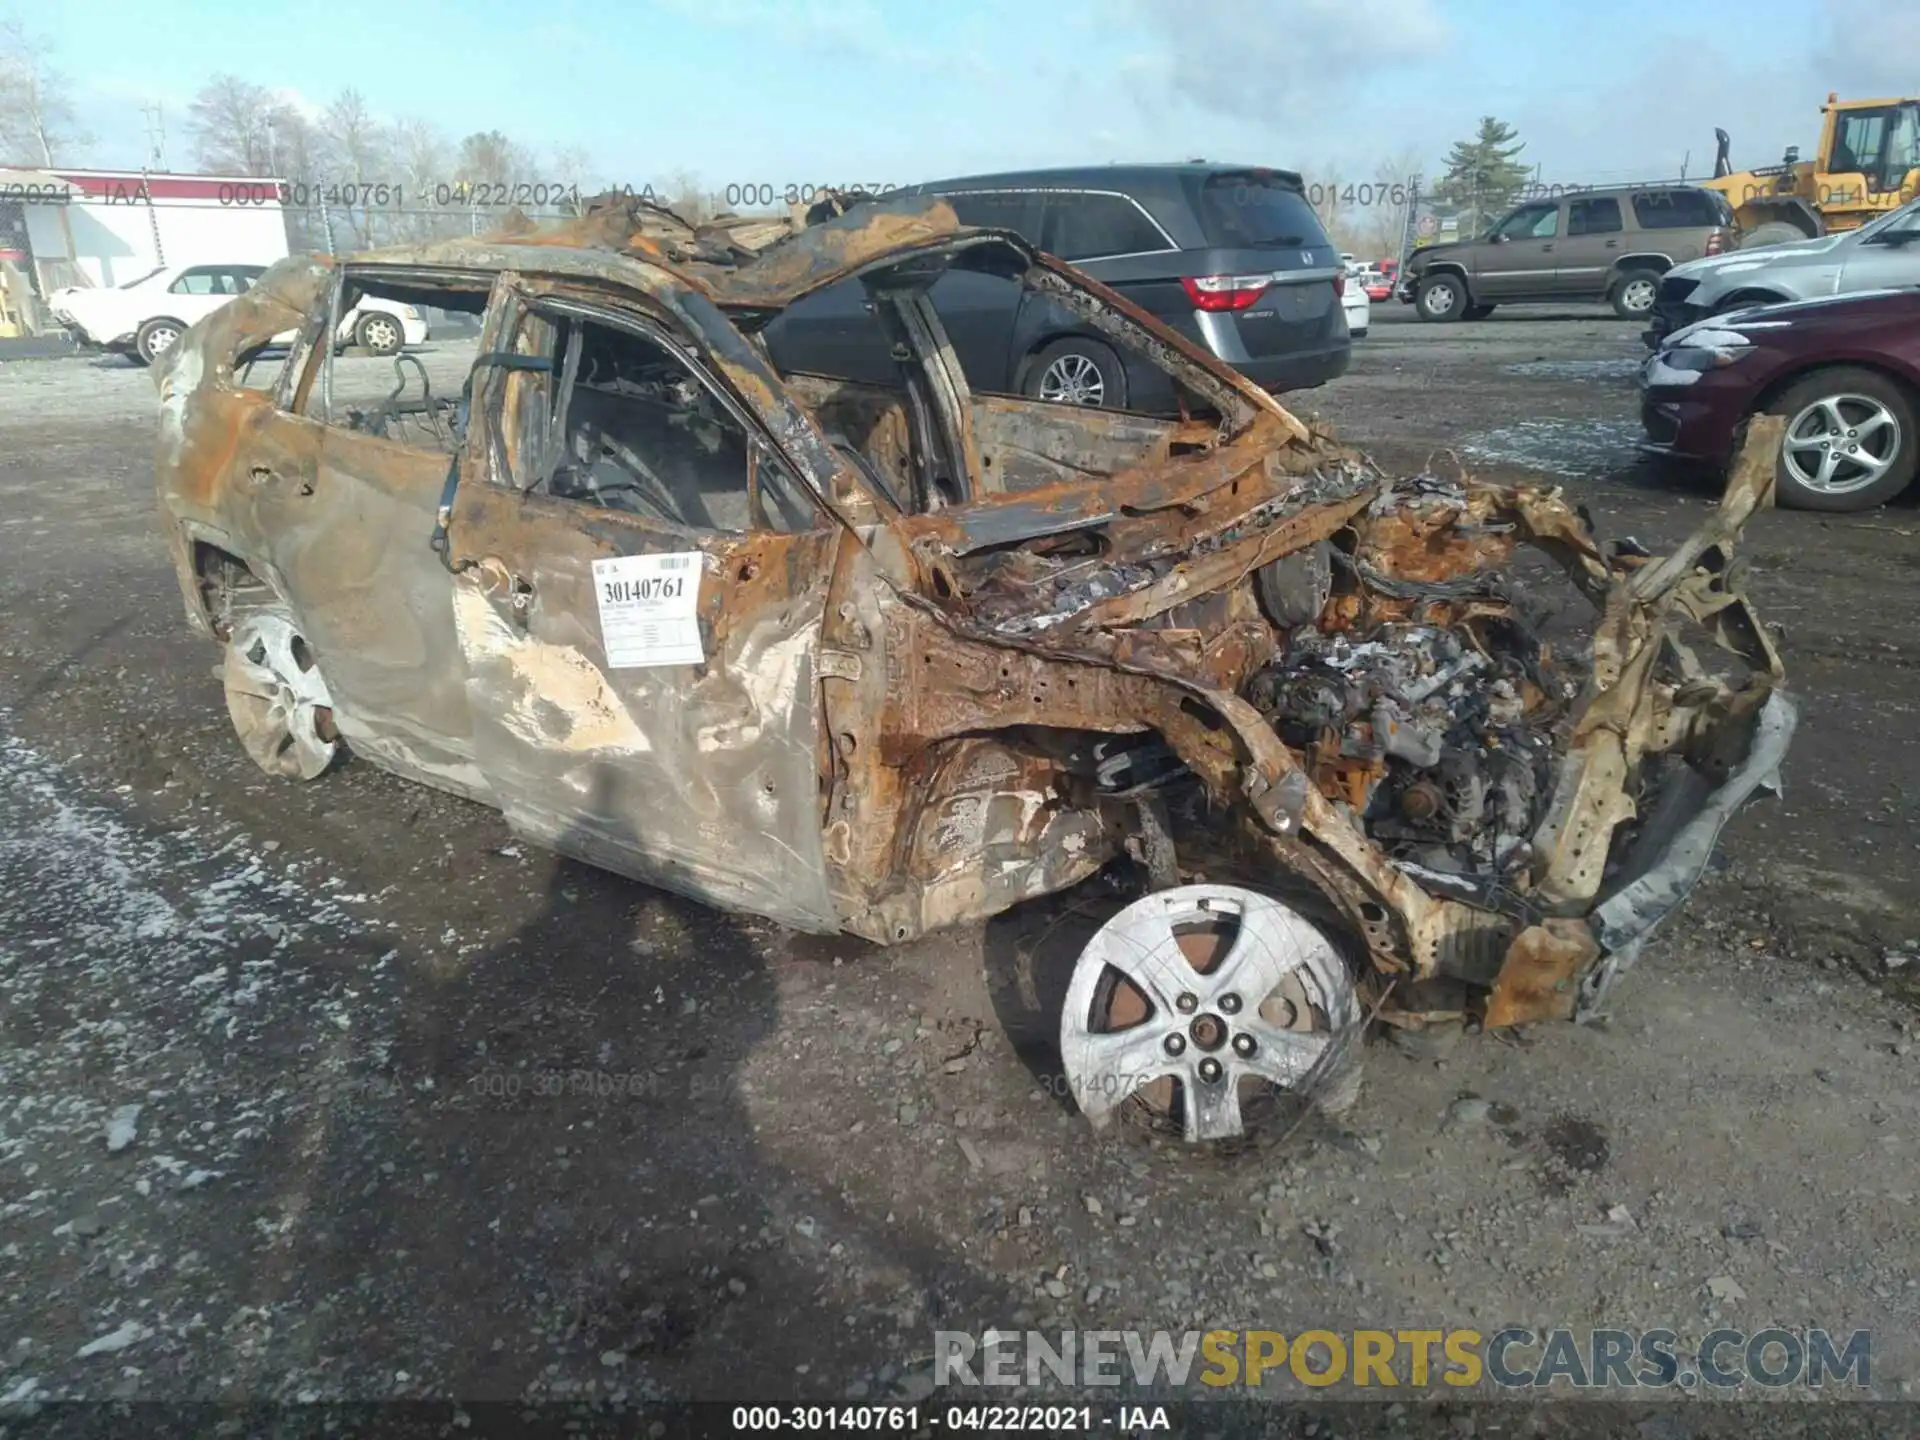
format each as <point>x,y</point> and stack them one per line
<point>580,1207</point>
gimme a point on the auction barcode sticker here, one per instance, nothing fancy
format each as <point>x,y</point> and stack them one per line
<point>649,609</point>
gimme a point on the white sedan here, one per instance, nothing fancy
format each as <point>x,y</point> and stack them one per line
<point>1353,299</point>
<point>146,316</point>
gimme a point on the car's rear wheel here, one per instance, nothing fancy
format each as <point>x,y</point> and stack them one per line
<point>1078,371</point>
<point>156,337</point>
<point>1478,312</point>
<point>1634,293</point>
<point>379,333</point>
<point>1849,443</point>
<point>1441,297</point>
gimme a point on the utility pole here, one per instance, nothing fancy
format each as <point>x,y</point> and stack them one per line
<point>156,134</point>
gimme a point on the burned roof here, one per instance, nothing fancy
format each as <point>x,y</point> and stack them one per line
<point>743,264</point>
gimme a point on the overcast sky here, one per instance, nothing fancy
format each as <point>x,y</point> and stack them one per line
<point>889,91</point>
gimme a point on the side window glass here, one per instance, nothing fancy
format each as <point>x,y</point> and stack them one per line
<point>994,210</point>
<point>199,281</point>
<point>1531,222</point>
<point>1085,227</point>
<point>1593,217</point>
<point>1858,145</point>
<point>637,428</point>
<point>1675,209</point>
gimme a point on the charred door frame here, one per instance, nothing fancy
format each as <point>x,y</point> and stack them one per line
<point>704,779</point>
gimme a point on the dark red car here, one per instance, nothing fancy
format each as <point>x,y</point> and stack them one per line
<point>1845,371</point>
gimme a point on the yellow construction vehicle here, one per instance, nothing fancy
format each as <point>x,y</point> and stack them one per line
<point>1868,164</point>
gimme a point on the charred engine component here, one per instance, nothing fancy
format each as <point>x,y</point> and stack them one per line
<point>1294,589</point>
<point>1440,739</point>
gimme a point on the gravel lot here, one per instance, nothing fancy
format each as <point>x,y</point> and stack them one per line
<point>289,1095</point>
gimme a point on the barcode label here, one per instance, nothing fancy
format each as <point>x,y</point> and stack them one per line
<point>649,609</point>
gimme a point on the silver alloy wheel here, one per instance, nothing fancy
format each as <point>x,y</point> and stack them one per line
<point>1276,1005</point>
<point>1638,296</point>
<point>160,339</point>
<point>1073,380</point>
<point>1439,298</point>
<point>277,699</point>
<point>1841,443</point>
<point>381,333</point>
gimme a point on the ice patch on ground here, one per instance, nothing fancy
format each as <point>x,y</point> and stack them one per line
<point>1623,369</point>
<point>1558,447</point>
<point>171,1005</point>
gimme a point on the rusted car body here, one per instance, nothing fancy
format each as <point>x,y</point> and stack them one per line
<point>949,651</point>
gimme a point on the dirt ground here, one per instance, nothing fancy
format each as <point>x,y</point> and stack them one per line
<point>423,1112</point>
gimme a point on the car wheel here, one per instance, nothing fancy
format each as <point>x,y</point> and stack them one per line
<point>1477,312</point>
<point>276,698</point>
<point>1359,334</point>
<point>1201,1011</point>
<point>1078,371</point>
<point>1634,293</point>
<point>1774,232</point>
<point>1849,442</point>
<point>1441,297</point>
<point>155,338</point>
<point>379,333</point>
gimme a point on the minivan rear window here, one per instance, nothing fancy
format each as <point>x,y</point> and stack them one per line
<point>1680,209</point>
<point>1249,211</point>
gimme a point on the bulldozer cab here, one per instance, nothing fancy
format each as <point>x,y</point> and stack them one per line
<point>1868,163</point>
<point>1869,154</point>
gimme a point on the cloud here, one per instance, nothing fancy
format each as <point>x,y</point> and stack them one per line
<point>1871,46</point>
<point>1278,61</point>
<point>1766,97</point>
<point>842,29</point>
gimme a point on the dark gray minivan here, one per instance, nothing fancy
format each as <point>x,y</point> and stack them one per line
<point>1233,257</point>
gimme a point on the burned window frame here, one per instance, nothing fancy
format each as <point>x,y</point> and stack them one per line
<point>584,306</point>
<point>305,388</point>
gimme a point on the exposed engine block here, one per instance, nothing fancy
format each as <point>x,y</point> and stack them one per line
<point>1442,740</point>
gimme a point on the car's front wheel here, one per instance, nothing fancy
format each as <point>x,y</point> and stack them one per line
<point>155,338</point>
<point>1078,371</point>
<point>1440,297</point>
<point>1634,293</point>
<point>379,333</point>
<point>276,698</point>
<point>1850,440</point>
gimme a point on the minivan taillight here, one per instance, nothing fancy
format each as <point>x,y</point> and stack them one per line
<point>1717,243</point>
<point>1224,292</point>
<point>1339,286</point>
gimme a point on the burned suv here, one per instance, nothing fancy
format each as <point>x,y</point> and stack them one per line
<point>882,658</point>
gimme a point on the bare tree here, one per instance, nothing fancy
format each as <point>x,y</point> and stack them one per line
<point>36,106</point>
<point>569,167</point>
<point>682,194</point>
<point>420,162</point>
<point>231,123</point>
<point>1395,179</point>
<point>1335,208</point>
<point>358,154</point>
<point>487,165</point>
